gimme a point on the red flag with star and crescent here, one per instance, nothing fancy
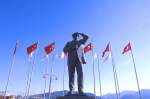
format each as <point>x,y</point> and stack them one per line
<point>32,48</point>
<point>107,49</point>
<point>48,49</point>
<point>127,48</point>
<point>88,48</point>
<point>15,49</point>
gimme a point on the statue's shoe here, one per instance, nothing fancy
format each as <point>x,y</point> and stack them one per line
<point>82,94</point>
<point>69,93</point>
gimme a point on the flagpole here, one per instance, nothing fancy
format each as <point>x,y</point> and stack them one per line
<point>27,83</point>
<point>99,71</point>
<point>50,81</point>
<point>45,77</point>
<point>28,75</point>
<point>93,72</point>
<point>64,76</point>
<point>115,75</point>
<point>30,78</point>
<point>139,91</point>
<point>10,71</point>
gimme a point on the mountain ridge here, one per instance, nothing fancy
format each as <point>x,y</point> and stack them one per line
<point>123,95</point>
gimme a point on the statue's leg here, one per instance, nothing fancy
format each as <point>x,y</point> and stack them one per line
<point>71,71</point>
<point>80,76</point>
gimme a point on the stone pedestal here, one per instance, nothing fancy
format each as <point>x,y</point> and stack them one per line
<point>76,97</point>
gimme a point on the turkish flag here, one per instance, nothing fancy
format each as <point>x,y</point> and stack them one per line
<point>127,48</point>
<point>48,49</point>
<point>107,49</point>
<point>15,49</point>
<point>32,48</point>
<point>88,48</point>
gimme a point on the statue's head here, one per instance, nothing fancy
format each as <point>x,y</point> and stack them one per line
<point>75,36</point>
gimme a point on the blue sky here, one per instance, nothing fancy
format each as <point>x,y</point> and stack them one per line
<point>115,21</point>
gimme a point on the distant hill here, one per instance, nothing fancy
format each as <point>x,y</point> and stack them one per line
<point>55,94</point>
<point>124,95</point>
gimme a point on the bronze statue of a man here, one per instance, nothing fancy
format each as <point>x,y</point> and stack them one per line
<point>76,58</point>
